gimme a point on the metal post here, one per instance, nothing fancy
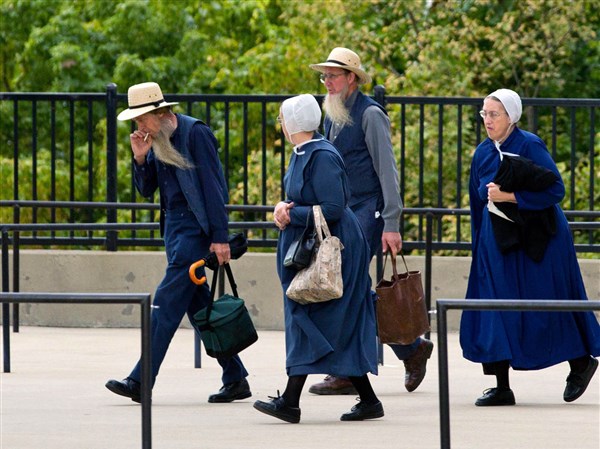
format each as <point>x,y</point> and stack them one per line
<point>443,377</point>
<point>5,306</point>
<point>146,384</point>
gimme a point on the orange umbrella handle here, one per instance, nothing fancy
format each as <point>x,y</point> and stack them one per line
<point>193,277</point>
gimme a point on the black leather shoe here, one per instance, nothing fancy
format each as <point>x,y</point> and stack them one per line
<point>127,387</point>
<point>577,383</point>
<point>277,408</point>
<point>232,392</point>
<point>496,396</point>
<point>362,411</point>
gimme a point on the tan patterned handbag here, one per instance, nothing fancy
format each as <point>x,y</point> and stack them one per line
<point>322,279</point>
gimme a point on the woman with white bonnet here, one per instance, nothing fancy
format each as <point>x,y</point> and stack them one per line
<point>336,336</point>
<point>522,249</point>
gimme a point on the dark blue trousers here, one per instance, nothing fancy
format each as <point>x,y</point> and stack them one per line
<point>177,295</point>
<point>372,226</point>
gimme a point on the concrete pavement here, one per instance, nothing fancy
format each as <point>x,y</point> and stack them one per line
<point>55,398</point>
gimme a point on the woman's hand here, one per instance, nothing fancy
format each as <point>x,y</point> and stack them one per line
<point>498,196</point>
<point>281,215</point>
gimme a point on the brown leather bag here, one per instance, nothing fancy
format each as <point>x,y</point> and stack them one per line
<point>401,310</point>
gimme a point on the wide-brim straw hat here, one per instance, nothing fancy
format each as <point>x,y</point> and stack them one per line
<point>345,59</point>
<point>143,98</point>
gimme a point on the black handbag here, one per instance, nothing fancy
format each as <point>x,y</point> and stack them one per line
<point>225,324</point>
<point>300,252</point>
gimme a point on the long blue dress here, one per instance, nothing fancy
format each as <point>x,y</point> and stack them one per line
<point>335,337</point>
<point>529,340</point>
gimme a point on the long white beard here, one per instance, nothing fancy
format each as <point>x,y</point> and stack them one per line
<point>336,109</point>
<point>164,149</point>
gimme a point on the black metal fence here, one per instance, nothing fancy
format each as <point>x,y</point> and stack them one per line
<point>68,149</point>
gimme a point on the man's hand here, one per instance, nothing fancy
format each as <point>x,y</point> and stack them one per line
<point>140,145</point>
<point>222,251</point>
<point>392,242</point>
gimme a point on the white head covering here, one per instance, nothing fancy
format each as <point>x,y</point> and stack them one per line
<point>511,102</point>
<point>301,113</point>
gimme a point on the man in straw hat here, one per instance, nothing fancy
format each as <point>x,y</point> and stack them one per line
<point>360,129</point>
<point>178,155</point>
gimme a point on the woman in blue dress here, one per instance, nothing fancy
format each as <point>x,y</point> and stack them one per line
<point>522,340</point>
<point>337,336</point>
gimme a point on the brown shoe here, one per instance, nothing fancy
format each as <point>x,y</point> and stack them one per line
<point>416,366</point>
<point>333,385</point>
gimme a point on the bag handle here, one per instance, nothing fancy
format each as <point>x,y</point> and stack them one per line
<point>321,227</point>
<point>393,264</point>
<point>213,286</point>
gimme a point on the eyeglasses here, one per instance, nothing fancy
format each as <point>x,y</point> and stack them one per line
<point>329,76</point>
<point>492,114</point>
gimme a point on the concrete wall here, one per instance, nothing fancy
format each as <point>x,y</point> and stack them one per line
<point>140,272</point>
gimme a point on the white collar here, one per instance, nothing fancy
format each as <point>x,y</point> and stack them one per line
<point>297,147</point>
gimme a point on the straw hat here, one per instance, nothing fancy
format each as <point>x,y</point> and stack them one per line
<point>344,59</point>
<point>143,98</point>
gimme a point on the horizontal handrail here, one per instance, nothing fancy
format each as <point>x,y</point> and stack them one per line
<point>143,299</point>
<point>442,305</point>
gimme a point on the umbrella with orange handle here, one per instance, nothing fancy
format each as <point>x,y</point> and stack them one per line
<point>238,245</point>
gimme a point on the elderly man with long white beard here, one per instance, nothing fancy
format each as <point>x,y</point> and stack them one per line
<point>177,155</point>
<point>360,130</point>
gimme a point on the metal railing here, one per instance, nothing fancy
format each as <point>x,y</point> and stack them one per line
<point>94,298</point>
<point>443,305</point>
<point>64,140</point>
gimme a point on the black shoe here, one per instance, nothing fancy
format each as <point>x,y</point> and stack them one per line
<point>232,392</point>
<point>127,387</point>
<point>277,408</point>
<point>578,382</point>
<point>362,411</point>
<point>496,396</point>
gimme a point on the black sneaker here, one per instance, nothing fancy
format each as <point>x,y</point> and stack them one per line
<point>578,382</point>
<point>362,411</point>
<point>126,387</point>
<point>277,408</point>
<point>496,396</point>
<point>232,392</point>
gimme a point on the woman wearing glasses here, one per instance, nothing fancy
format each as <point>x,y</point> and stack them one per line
<point>522,249</point>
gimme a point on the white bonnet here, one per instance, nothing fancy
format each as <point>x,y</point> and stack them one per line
<point>511,102</point>
<point>301,113</point>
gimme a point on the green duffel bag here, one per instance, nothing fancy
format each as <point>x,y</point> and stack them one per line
<point>225,324</point>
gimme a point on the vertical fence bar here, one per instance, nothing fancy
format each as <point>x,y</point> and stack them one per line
<point>428,254</point>
<point>111,162</point>
<point>16,284</point>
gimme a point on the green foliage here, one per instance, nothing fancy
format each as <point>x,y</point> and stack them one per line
<point>540,48</point>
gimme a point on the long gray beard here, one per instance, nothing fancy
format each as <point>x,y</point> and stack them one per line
<point>336,109</point>
<point>166,152</point>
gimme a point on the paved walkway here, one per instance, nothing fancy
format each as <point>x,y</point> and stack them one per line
<point>54,398</point>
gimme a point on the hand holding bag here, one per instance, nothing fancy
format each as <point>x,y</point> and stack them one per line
<point>225,324</point>
<point>300,252</point>
<point>401,310</point>
<point>322,279</point>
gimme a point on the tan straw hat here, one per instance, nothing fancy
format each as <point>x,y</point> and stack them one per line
<point>344,59</point>
<point>143,98</point>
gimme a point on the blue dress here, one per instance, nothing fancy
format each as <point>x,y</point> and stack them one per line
<point>529,340</point>
<point>335,337</point>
